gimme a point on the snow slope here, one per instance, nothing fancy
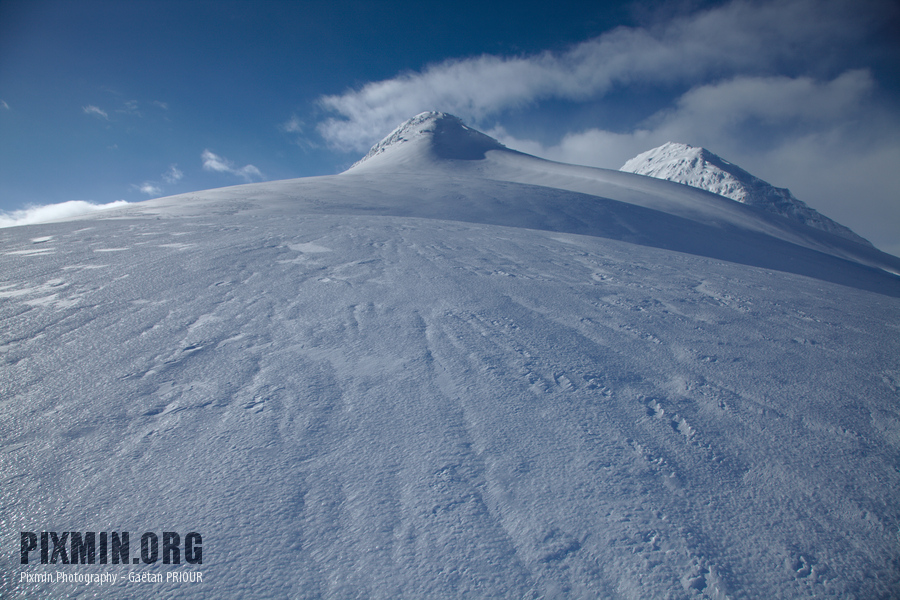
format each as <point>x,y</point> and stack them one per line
<point>420,379</point>
<point>700,168</point>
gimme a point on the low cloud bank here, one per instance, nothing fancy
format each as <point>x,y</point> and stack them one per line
<point>53,212</point>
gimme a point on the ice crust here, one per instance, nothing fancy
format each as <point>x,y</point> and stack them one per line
<point>478,375</point>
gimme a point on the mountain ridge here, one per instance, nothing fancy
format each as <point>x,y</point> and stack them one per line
<point>439,143</point>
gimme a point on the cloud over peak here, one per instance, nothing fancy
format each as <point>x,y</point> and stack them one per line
<point>742,37</point>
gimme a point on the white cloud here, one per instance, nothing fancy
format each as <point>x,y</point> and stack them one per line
<point>153,189</point>
<point>4,105</point>
<point>725,115</point>
<point>214,162</point>
<point>788,103</point>
<point>742,36</point>
<point>295,128</point>
<point>173,175</point>
<point>150,189</point>
<point>53,212</point>
<point>292,125</point>
<point>130,107</point>
<point>591,147</point>
<point>94,110</point>
<point>849,179</point>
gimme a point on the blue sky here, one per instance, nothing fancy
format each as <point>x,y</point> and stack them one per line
<point>107,100</point>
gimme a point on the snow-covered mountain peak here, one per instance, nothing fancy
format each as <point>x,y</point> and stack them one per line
<point>670,151</point>
<point>697,167</point>
<point>430,135</point>
<point>700,168</point>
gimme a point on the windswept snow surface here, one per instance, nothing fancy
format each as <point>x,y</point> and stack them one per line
<point>53,212</point>
<point>700,168</point>
<point>440,384</point>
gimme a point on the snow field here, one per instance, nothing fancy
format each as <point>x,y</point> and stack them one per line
<point>401,407</point>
